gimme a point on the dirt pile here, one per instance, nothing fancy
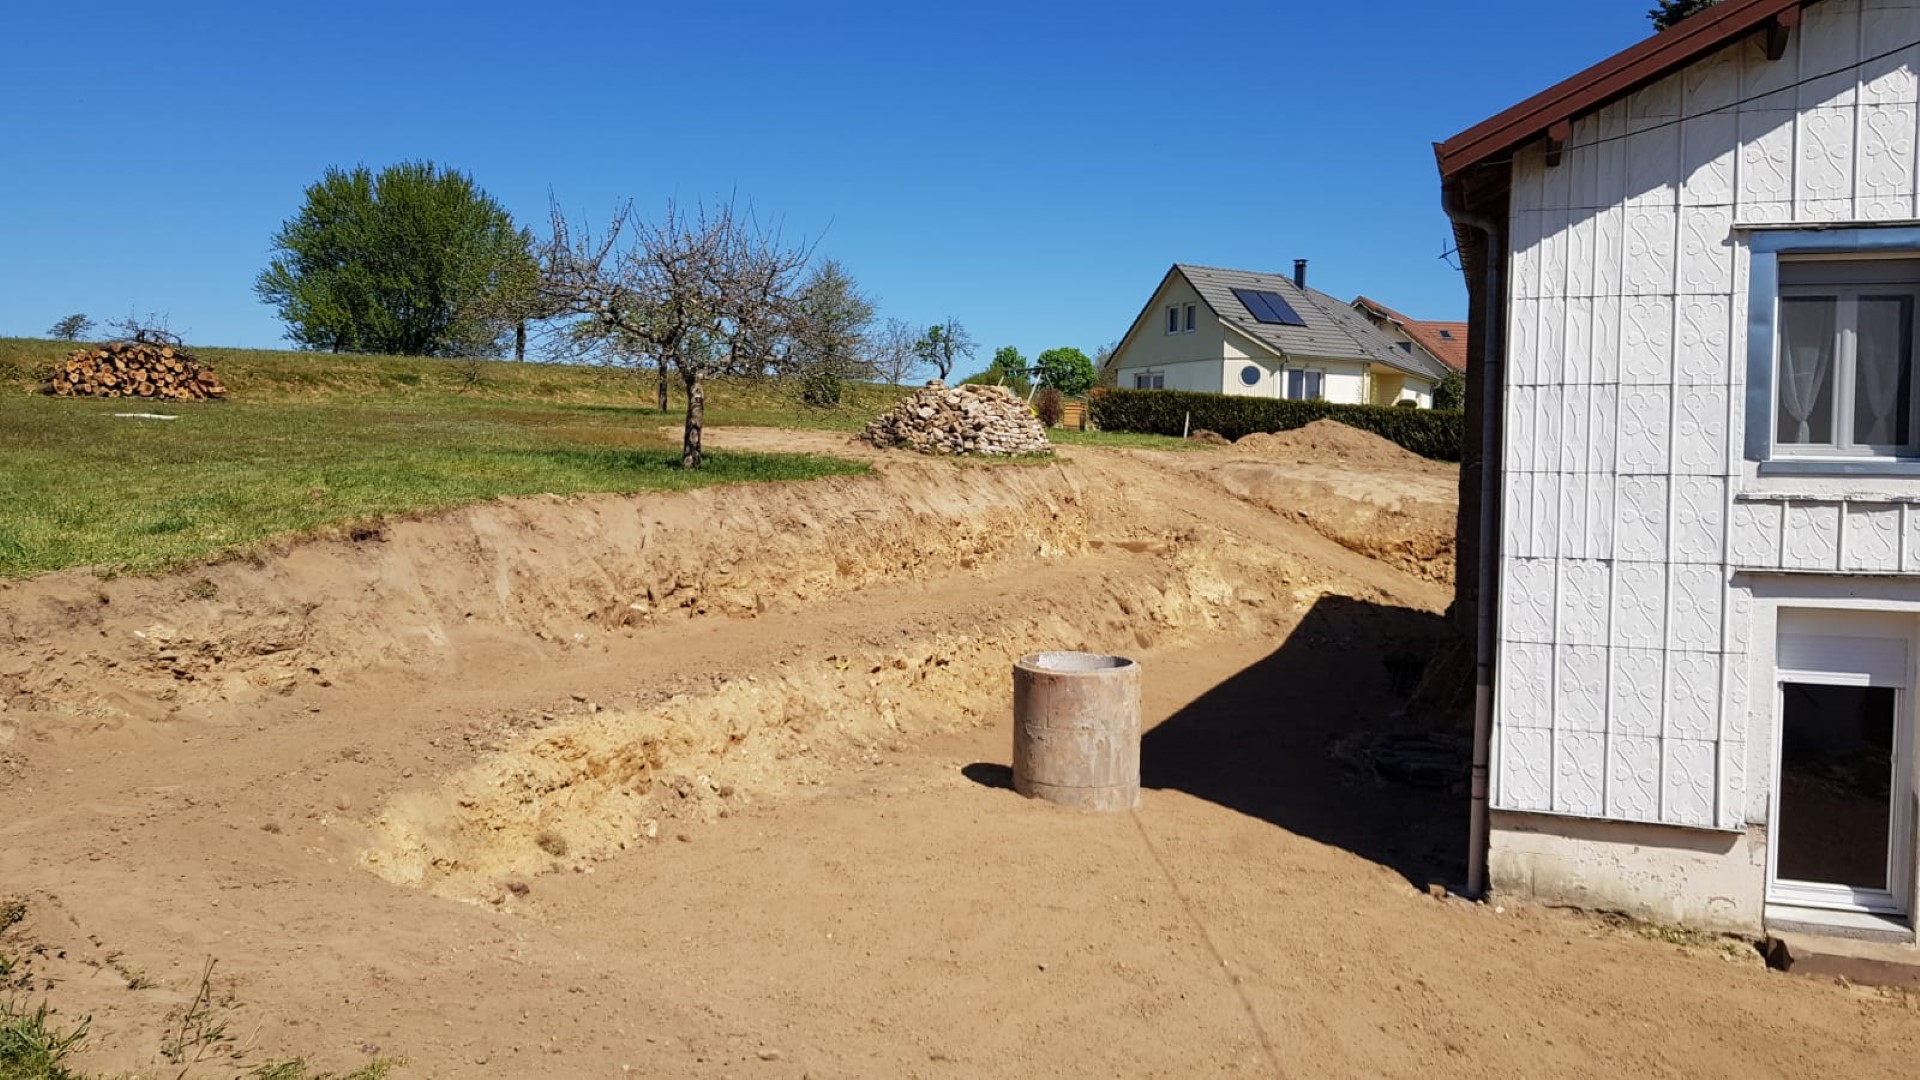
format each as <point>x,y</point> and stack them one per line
<point>1355,488</point>
<point>942,419</point>
<point>135,369</point>
<point>1330,441</point>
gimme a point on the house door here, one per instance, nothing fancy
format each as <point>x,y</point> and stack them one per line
<point>1841,835</point>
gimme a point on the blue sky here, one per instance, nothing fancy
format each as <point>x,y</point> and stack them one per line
<point>1030,169</point>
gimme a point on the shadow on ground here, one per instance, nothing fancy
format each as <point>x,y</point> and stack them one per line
<point>1324,738</point>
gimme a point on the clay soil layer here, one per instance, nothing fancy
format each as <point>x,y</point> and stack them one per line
<point>715,784</point>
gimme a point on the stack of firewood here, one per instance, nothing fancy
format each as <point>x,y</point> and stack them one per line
<point>135,369</point>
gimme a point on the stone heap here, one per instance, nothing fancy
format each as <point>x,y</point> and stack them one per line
<point>942,419</point>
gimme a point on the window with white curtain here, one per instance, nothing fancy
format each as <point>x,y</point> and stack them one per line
<point>1843,384</point>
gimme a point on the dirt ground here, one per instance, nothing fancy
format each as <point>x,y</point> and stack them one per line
<point>715,784</point>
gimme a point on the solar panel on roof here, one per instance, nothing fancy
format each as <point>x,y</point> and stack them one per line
<point>1268,307</point>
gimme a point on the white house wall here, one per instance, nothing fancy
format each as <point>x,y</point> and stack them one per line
<point>1202,376</point>
<point>1342,381</point>
<point>1628,511</point>
<point>1195,357</point>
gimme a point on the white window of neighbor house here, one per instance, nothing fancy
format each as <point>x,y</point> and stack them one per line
<point>1189,315</point>
<point>1843,382</point>
<point>1149,382</point>
<point>1173,319</point>
<point>1305,385</point>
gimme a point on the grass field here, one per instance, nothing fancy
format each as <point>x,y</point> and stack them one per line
<point>309,440</point>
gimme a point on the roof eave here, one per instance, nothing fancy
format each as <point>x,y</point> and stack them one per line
<point>1610,79</point>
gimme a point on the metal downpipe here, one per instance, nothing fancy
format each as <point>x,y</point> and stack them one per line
<point>1487,591</point>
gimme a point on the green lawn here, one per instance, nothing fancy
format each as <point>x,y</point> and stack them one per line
<point>310,440</point>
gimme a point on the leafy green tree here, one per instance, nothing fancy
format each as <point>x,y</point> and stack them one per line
<point>415,260</point>
<point>1669,12</point>
<point>1450,392</point>
<point>71,328</point>
<point>1067,370</point>
<point>1009,369</point>
<point>943,345</point>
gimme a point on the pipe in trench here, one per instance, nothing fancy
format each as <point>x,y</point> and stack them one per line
<point>1487,590</point>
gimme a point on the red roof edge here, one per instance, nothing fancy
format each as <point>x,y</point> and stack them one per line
<point>1608,80</point>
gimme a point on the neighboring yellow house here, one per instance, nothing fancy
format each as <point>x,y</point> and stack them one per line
<point>1266,335</point>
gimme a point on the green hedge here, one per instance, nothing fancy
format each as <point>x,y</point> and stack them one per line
<point>1432,433</point>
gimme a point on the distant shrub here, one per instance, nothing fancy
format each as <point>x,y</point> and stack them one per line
<point>1432,433</point>
<point>1451,392</point>
<point>1049,407</point>
<point>821,390</point>
<point>1406,403</point>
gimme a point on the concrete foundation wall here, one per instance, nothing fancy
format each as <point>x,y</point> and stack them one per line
<point>1678,876</point>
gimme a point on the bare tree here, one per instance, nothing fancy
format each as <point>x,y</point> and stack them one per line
<point>151,330</point>
<point>945,344</point>
<point>832,320</point>
<point>704,294</point>
<point>893,353</point>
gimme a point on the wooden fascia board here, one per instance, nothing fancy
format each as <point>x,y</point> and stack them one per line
<point>1615,77</point>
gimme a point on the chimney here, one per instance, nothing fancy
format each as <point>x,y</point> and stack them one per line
<point>1299,273</point>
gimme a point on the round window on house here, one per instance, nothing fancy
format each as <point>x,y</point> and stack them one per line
<point>1250,375</point>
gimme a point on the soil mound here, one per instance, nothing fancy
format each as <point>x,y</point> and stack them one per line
<point>1331,440</point>
<point>939,419</point>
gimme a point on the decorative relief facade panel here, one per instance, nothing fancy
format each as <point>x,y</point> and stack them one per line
<point>1623,689</point>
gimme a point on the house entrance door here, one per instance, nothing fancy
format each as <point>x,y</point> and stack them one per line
<point>1841,834</point>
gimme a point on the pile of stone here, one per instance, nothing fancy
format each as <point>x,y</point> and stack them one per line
<point>942,419</point>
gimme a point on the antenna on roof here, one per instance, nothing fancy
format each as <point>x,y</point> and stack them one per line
<point>1447,254</point>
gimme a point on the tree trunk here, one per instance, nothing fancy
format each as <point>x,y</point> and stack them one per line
<point>662,386</point>
<point>520,340</point>
<point>696,415</point>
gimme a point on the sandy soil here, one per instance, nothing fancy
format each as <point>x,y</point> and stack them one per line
<point>714,784</point>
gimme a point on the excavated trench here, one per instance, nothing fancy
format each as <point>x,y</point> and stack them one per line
<point>852,615</point>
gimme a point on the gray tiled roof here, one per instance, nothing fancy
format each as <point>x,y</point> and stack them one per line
<point>1334,330</point>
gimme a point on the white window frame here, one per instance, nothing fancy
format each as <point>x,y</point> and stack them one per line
<point>1319,376</point>
<point>1768,248</point>
<point>1842,282</point>
<point>1158,380</point>
<point>1189,315</point>
<point>1173,319</point>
